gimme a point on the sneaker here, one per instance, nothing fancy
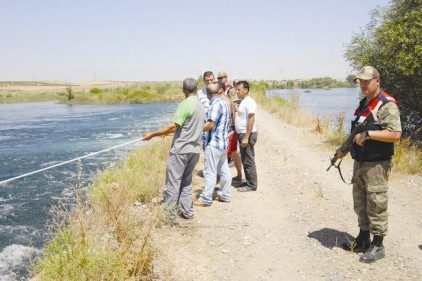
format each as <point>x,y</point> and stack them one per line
<point>373,254</point>
<point>357,245</point>
<point>186,217</point>
<point>239,184</point>
<point>198,202</point>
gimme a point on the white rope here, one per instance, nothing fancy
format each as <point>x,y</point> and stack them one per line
<point>69,161</point>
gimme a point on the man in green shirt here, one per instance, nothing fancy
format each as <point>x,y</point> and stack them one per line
<point>187,124</point>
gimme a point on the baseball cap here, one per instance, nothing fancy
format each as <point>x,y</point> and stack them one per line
<point>367,73</point>
<point>222,74</point>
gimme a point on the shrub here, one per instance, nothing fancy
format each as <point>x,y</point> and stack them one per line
<point>96,91</point>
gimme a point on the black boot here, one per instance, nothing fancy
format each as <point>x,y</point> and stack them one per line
<point>360,244</point>
<point>375,252</point>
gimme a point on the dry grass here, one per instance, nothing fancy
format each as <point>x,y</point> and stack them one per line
<point>108,236</point>
<point>407,159</point>
<point>288,110</point>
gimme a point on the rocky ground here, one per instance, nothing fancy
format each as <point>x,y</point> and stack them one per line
<point>292,226</point>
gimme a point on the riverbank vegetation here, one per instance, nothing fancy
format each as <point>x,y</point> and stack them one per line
<point>136,94</point>
<point>314,83</point>
<point>102,93</point>
<point>108,92</point>
<point>109,234</point>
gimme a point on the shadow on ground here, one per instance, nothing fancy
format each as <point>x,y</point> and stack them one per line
<point>330,238</point>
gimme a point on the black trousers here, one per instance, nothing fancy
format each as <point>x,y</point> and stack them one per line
<point>248,160</point>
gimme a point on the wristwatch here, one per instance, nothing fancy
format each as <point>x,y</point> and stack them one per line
<point>367,136</point>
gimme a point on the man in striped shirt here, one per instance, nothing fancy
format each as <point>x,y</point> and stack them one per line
<point>216,144</point>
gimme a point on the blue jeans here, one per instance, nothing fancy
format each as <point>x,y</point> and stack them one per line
<point>216,160</point>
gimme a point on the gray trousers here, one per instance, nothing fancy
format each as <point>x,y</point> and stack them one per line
<point>178,189</point>
<point>248,160</point>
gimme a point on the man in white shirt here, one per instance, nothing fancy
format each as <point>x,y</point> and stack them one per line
<point>246,129</point>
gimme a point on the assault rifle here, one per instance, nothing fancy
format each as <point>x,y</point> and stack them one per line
<point>347,145</point>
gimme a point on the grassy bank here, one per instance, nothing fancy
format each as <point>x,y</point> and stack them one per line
<point>112,93</point>
<point>137,93</point>
<point>107,235</point>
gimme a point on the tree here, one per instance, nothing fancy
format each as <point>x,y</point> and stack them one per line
<point>69,93</point>
<point>351,79</point>
<point>392,43</point>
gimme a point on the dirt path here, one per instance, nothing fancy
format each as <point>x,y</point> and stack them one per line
<point>290,227</point>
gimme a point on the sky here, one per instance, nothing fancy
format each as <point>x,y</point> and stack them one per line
<point>157,40</point>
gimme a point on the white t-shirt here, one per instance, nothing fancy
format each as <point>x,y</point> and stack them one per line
<point>246,107</point>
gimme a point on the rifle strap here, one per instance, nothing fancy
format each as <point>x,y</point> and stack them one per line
<point>341,175</point>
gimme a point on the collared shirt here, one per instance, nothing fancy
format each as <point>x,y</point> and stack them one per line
<point>219,113</point>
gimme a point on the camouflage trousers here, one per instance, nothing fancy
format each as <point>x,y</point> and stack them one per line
<point>370,198</point>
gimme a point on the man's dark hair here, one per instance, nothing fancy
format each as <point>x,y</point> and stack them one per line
<point>244,83</point>
<point>207,73</point>
<point>190,85</point>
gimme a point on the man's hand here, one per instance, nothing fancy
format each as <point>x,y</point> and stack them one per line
<point>360,138</point>
<point>245,142</point>
<point>148,136</point>
<point>171,128</point>
<point>340,154</point>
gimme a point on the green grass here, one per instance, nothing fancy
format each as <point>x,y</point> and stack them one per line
<point>164,92</point>
<point>7,97</point>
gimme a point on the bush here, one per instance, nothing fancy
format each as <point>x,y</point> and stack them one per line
<point>96,91</point>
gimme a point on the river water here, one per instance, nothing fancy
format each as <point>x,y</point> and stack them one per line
<point>37,135</point>
<point>321,102</point>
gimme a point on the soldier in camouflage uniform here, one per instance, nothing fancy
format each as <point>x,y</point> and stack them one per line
<point>372,152</point>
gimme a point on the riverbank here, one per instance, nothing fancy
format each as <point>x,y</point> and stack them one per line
<point>291,227</point>
<point>90,92</point>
